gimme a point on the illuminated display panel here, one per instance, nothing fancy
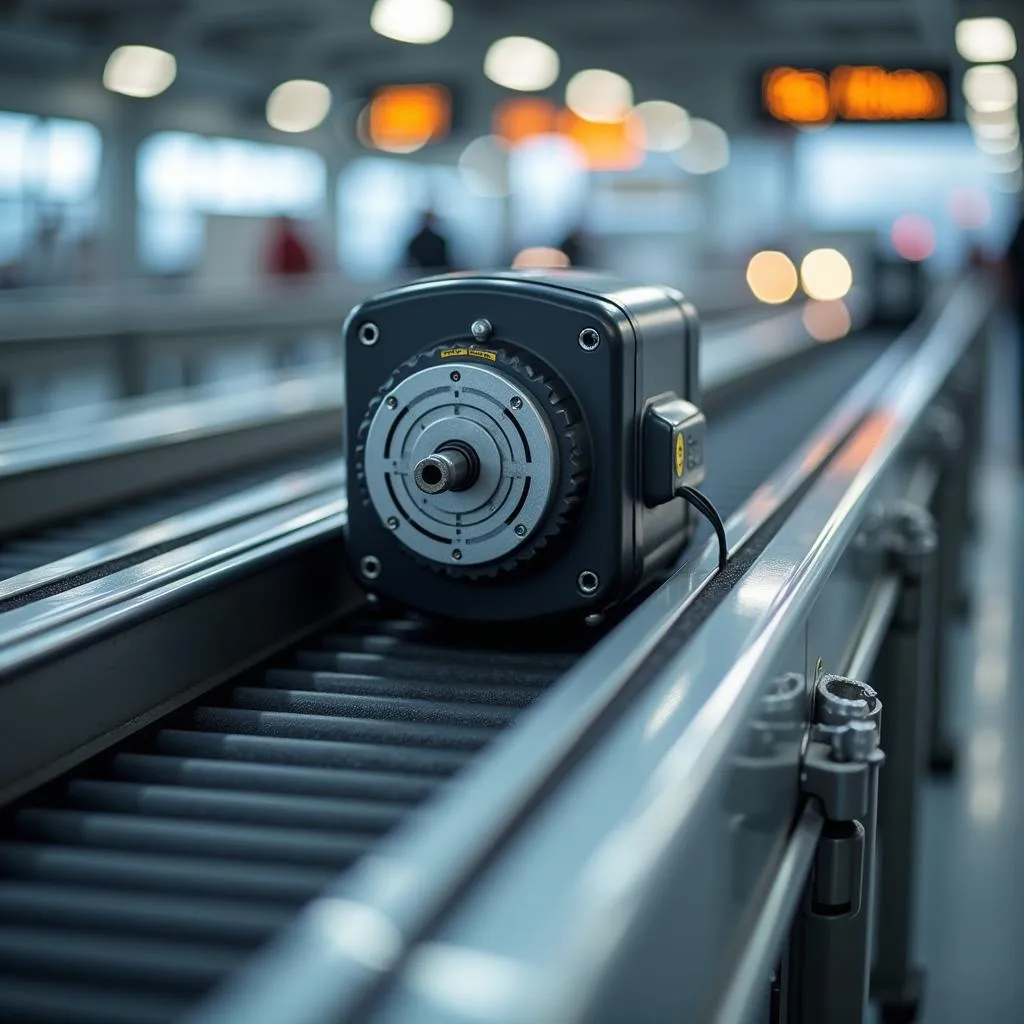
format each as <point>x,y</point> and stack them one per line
<point>865,93</point>
<point>516,120</point>
<point>409,116</point>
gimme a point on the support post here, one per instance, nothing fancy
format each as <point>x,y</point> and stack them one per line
<point>946,427</point>
<point>829,955</point>
<point>904,681</point>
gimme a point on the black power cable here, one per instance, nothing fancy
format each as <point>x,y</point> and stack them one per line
<point>703,505</point>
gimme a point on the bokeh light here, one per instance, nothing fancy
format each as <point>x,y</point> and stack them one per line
<point>827,320</point>
<point>659,126</point>
<point>985,40</point>
<point>522,63</point>
<point>969,208</point>
<point>990,88</point>
<point>913,237</point>
<point>599,95</point>
<point>826,274</point>
<point>298,106</point>
<point>541,258</point>
<point>772,277</point>
<point>141,72</point>
<point>997,124</point>
<point>706,151</point>
<point>412,21</point>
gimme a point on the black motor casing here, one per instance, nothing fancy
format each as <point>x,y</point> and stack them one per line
<point>648,348</point>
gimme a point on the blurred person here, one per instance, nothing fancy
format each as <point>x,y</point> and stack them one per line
<point>576,248</point>
<point>428,249</point>
<point>288,254</point>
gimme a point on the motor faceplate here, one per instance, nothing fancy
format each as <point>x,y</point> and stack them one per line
<point>461,464</point>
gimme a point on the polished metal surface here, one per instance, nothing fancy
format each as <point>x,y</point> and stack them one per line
<point>175,530</point>
<point>125,649</point>
<point>163,446</point>
<point>511,439</point>
<point>744,997</point>
<point>34,631</point>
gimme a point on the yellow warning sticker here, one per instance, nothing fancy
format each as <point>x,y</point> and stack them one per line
<point>680,454</point>
<point>473,353</point>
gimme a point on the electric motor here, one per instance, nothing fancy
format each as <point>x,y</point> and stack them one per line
<point>516,441</point>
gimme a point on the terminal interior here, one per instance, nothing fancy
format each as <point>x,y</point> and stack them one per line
<point>241,782</point>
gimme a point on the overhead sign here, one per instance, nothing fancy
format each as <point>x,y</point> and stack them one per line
<point>867,93</point>
<point>406,114</point>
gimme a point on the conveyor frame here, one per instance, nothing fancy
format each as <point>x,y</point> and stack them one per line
<point>570,891</point>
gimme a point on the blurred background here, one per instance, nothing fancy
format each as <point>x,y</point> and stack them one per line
<point>195,191</point>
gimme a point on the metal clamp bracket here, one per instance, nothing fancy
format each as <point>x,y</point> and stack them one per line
<point>838,769</point>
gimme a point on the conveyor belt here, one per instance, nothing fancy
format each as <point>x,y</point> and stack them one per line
<point>24,553</point>
<point>132,885</point>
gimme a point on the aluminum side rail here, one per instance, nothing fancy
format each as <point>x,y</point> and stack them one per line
<point>175,624</point>
<point>341,958</point>
<point>174,531</point>
<point>119,459</point>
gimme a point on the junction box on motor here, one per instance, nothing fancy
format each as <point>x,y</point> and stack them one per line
<point>516,441</point>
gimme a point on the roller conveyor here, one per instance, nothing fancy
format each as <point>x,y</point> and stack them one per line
<point>131,886</point>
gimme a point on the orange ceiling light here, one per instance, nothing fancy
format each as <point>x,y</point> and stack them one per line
<point>874,94</point>
<point>406,117</point>
<point>606,146</point>
<point>801,97</point>
<point>517,120</point>
<point>868,93</point>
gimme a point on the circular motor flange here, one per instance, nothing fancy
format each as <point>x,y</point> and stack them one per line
<point>465,460</point>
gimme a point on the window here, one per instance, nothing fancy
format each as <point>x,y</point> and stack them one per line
<point>49,167</point>
<point>182,177</point>
<point>380,201</point>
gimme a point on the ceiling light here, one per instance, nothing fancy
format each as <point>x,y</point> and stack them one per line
<point>826,274</point>
<point>518,62</point>
<point>598,95</point>
<point>996,125</point>
<point>985,40</point>
<point>706,151</point>
<point>663,126</point>
<point>484,167</point>
<point>139,71</point>
<point>412,21</point>
<point>298,106</point>
<point>997,144</point>
<point>990,88</point>
<point>771,277</point>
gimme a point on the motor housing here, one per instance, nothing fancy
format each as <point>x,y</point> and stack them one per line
<point>498,429</point>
